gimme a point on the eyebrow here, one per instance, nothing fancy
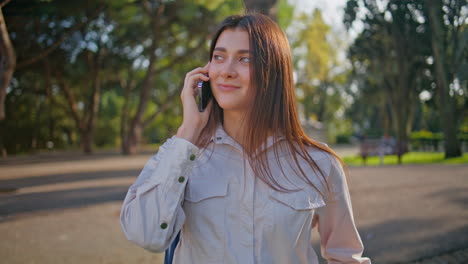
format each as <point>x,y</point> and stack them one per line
<point>224,50</point>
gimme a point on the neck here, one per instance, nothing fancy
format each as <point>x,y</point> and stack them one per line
<point>233,125</point>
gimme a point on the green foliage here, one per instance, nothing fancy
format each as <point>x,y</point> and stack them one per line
<point>424,139</point>
<point>121,33</point>
<point>393,63</point>
<point>343,139</point>
<point>163,127</point>
<point>285,14</point>
<point>209,4</point>
<point>408,158</point>
<point>120,36</point>
<point>389,59</point>
<point>33,118</point>
<point>425,135</point>
<point>319,83</point>
<point>320,54</point>
<point>108,128</point>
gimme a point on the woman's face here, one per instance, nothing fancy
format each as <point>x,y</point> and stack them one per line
<point>230,70</point>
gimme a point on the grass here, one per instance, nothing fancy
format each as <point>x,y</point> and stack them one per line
<point>408,158</point>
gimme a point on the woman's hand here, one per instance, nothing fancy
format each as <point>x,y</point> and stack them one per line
<point>193,120</point>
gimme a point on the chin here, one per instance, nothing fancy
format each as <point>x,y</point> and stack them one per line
<point>229,106</point>
<point>231,103</point>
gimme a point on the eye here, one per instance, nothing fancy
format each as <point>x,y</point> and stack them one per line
<point>245,59</point>
<point>217,57</point>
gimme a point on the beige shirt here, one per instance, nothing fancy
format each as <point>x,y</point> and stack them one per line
<point>227,215</point>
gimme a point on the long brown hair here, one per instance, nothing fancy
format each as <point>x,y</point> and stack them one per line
<point>274,110</point>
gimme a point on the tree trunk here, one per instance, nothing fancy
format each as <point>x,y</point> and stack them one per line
<point>7,63</point>
<point>131,137</point>
<point>402,95</point>
<point>50,99</point>
<point>3,150</point>
<point>132,128</point>
<point>446,103</point>
<point>86,141</point>
<point>387,115</point>
<point>402,129</point>
<point>132,140</point>
<point>266,7</point>
<point>127,86</point>
<point>86,123</point>
<point>132,134</point>
<point>92,111</point>
<point>322,93</point>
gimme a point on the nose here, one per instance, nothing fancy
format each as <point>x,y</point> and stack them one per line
<point>229,71</point>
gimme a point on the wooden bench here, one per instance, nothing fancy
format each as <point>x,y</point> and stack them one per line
<point>377,147</point>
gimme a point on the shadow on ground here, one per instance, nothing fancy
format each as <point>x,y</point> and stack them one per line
<point>454,196</point>
<point>410,240</point>
<point>404,241</point>
<point>35,202</point>
<point>65,178</point>
<point>13,203</point>
<point>61,156</point>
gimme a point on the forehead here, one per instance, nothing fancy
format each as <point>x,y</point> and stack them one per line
<point>233,39</point>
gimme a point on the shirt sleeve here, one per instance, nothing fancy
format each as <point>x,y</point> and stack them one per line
<point>339,239</point>
<point>152,214</point>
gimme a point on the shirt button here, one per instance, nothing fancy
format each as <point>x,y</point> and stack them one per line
<point>181,179</point>
<point>192,157</point>
<point>163,225</point>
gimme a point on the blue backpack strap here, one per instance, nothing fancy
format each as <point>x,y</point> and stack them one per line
<point>169,254</point>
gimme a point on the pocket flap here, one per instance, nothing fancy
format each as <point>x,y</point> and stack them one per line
<point>300,200</point>
<point>200,188</point>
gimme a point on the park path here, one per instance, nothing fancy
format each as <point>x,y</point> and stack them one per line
<point>66,210</point>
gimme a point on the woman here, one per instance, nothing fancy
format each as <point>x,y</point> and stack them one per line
<point>241,181</point>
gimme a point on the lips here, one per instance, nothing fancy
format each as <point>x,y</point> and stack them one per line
<point>227,87</point>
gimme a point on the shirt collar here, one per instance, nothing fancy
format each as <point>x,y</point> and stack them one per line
<point>221,137</point>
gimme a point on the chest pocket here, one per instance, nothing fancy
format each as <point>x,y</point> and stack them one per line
<point>201,188</point>
<point>205,210</point>
<point>291,212</point>
<point>300,200</point>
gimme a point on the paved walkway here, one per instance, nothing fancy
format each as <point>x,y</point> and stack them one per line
<point>454,257</point>
<point>66,210</point>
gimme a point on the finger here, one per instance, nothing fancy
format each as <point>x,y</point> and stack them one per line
<point>192,72</point>
<point>198,70</point>
<point>197,77</point>
<point>192,82</point>
<point>207,66</point>
<point>197,82</point>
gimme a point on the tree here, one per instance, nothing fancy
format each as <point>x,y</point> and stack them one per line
<point>139,49</point>
<point>76,67</point>
<point>86,118</point>
<point>18,11</point>
<point>392,51</point>
<point>7,60</point>
<point>320,75</point>
<point>46,42</point>
<point>319,72</point>
<point>449,50</point>
<point>173,39</point>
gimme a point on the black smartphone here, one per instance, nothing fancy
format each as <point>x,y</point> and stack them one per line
<point>204,95</point>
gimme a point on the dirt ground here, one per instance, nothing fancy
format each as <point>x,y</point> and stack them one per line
<point>66,210</point>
